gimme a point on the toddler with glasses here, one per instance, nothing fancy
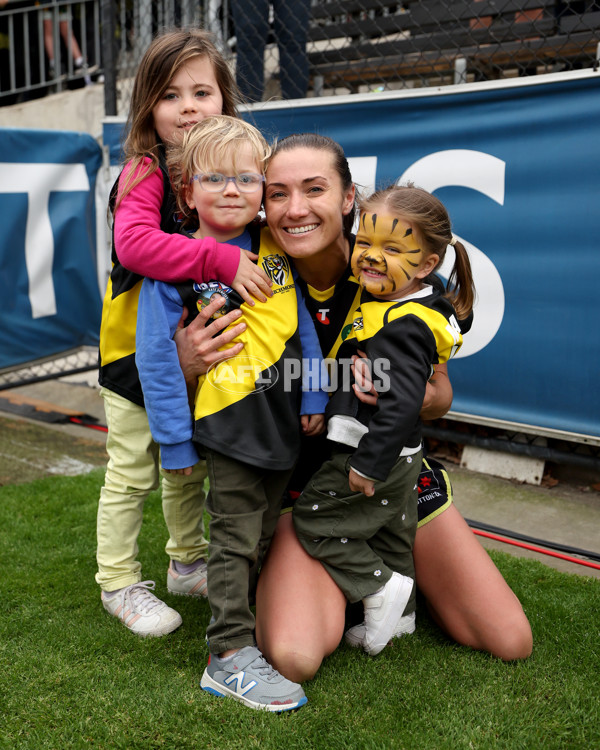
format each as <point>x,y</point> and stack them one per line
<point>245,421</point>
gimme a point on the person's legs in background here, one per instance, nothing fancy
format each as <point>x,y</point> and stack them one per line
<point>131,474</point>
<point>251,21</point>
<point>291,18</point>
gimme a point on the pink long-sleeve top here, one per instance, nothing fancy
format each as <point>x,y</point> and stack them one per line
<point>143,248</point>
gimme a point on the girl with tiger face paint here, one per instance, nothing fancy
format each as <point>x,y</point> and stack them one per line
<point>388,259</point>
<point>402,238</point>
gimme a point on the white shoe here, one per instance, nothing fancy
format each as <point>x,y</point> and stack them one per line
<point>383,610</point>
<point>355,636</point>
<point>192,584</point>
<point>141,611</point>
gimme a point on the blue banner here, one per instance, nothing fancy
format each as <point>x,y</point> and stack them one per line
<point>517,165</point>
<point>49,296</point>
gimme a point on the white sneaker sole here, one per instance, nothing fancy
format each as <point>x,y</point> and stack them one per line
<point>222,691</point>
<point>355,635</point>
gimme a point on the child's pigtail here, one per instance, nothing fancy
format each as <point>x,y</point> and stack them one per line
<point>460,289</point>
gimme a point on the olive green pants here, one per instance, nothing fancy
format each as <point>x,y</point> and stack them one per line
<point>244,504</point>
<point>361,540</point>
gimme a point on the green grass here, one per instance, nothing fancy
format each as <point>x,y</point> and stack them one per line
<point>72,677</point>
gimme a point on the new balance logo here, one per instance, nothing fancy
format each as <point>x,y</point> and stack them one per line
<point>239,686</point>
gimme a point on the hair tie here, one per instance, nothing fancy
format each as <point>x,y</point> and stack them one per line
<point>453,241</point>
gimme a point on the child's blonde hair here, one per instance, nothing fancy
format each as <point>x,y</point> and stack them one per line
<point>430,220</point>
<point>205,147</point>
<point>165,56</point>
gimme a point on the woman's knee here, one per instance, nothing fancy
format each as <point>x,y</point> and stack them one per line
<point>508,639</point>
<point>515,642</point>
<point>296,665</point>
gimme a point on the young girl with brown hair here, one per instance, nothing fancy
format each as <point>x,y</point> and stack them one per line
<point>181,79</point>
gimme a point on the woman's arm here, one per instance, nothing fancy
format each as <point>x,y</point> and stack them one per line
<point>198,344</point>
<point>438,392</point>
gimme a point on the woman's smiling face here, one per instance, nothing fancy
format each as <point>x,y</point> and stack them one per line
<point>305,201</point>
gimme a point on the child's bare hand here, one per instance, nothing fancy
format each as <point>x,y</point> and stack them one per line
<point>251,280</point>
<point>361,484</point>
<point>186,472</point>
<point>312,424</point>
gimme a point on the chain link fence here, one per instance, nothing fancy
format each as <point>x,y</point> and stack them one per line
<point>295,48</point>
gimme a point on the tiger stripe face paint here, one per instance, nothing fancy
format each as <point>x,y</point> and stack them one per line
<point>387,259</point>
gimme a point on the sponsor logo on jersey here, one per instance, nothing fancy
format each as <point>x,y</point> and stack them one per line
<point>346,331</point>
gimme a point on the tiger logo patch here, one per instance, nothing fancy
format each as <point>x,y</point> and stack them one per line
<point>277,268</point>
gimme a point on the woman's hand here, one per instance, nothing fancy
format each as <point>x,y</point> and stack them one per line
<point>361,484</point>
<point>438,391</point>
<point>363,385</point>
<point>196,347</point>
<point>251,280</point>
<point>312,424</point>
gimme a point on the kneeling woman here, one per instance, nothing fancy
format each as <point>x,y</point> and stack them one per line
<point>300,612</point>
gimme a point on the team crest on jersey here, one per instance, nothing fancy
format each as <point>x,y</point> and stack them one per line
<point>207,290</point>
<point>358,324</point>
<point>277,268</point>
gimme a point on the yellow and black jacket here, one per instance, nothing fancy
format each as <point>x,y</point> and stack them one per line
<point>246,407</point>
<point>117,369</point>
<point>403,340</point>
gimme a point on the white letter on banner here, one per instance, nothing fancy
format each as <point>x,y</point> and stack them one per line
<point>38,181</point>
<point>484,173</point>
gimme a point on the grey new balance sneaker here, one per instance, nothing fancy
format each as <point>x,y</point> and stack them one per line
<point>248,677</point>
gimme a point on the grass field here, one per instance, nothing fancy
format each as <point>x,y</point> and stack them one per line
<point>72,677</point>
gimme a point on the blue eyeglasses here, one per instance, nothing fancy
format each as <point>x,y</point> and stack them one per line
<point>248,182</point>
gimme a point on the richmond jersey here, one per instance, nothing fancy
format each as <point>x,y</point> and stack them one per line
<point>402,339</point>
<point>247,406</point>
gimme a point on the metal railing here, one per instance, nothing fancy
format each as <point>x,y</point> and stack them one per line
<point>48,47</point>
